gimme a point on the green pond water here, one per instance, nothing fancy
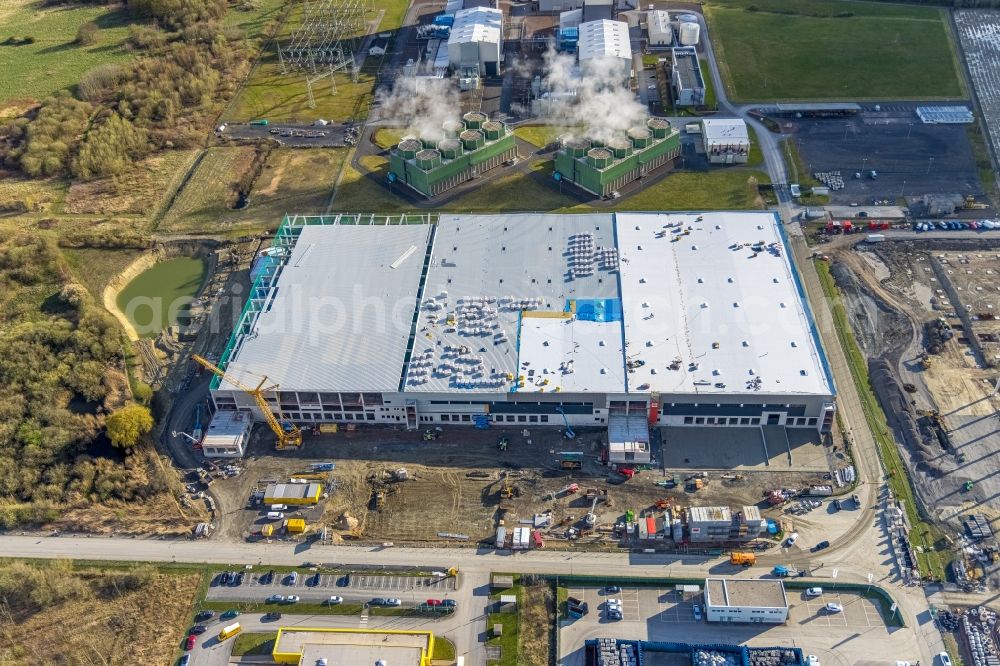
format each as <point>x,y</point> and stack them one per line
<point>159,297</point>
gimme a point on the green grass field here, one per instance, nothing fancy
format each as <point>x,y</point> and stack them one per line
<point>833,50</point>
<point>53,62</point>
<point>718,189</point>
<point>204,198</point>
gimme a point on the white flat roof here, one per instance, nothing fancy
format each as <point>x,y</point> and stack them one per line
<point>486,269</point>
<point>476,24</point>
<point>604,38</point>
<point>227,428</point>
<point>341,314</point>
<point>571,355</point>
<point>658,23</point>
<point>728,319</point>
<point>729,130</point>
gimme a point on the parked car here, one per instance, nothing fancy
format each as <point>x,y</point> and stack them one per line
<point>792,538</point>
<point>272,616</point>
<point>833,607</point>
<point>198,629</point>
<point>612,589</point>
<point>836,504</point>
<point>944,658</point>
<point>275,599</point>
<point>204,615</point>
<point>334,600</point>
<point>449,603</point>
<point>240,577</point>
<point>614,614</point>
<point>292,578</point>
<point>814,592</point>
<point>377,601</point>
<point>821,545</point>
<point>184,661</point>
<point>292,599</point>
<point>857,501</point>
<point>812,660</point>
<point>229,614</point>
<point>267,578</point>
<point>696,609</point>
<point>433,602</point>
<point>393,602</point>
<point>313,580</point>
<point>191,640</point>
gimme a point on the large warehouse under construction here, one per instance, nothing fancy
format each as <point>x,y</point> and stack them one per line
<point>672,319</point>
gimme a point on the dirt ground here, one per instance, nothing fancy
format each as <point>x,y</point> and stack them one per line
<point>454,484</point>
<point>894,293</point>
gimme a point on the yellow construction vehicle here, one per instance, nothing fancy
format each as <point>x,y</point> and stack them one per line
<point>286,433</point>
<point>971,204</point>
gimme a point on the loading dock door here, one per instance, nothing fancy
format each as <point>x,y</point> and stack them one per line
<point>773,419</point>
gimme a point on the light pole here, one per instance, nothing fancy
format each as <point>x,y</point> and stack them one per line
<point>902,188</point>
<point>909,130</point>
<point>930,163</point>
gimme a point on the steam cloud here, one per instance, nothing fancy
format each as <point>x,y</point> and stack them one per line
<point>603,106</point>
<point>422,104</point>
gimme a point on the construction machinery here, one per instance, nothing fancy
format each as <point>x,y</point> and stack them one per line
<point>743,559</point>
<point>508,489</point>
<point>502,444</point>
<point>571,459</point>
<point>591,518</point>
<point>972,204</point>
<point>286,433</point>
<point>569,431</point>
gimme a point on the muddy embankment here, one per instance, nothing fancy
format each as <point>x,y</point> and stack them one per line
<point>204,249</point>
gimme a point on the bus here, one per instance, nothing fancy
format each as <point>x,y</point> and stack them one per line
<point>230,631</point>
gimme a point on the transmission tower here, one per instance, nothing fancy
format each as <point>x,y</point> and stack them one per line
<point>310,80</point>
<point>330,33</point>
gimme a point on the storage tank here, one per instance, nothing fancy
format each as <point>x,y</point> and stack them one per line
<point>576,146</point>
<point>428,159</point>
<point>689,34</point>
<point>474,119</point>
<point>660,127</point>
<point>409,148</point>
<point>493,130</point>
<point>450,148</point>
<point>452,128</point>
<point>640,137</point>
<point>472,139</point>
<point>599,157</point>
<point>620,148</point>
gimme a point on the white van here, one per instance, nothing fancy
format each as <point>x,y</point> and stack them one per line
<point>278,507</point>
<point>275,515</point>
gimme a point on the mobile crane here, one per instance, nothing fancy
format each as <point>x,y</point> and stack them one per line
<point>286,433</point>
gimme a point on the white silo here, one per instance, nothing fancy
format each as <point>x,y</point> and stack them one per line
<point>689,33</point>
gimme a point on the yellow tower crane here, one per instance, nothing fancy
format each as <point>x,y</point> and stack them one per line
<point>286,433</point>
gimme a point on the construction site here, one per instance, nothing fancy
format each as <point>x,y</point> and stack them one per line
<point>464,486</point>
<point>924,315</point>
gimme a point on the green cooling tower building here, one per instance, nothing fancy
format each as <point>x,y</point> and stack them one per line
<point>604,167</point>
<point>471,147</point>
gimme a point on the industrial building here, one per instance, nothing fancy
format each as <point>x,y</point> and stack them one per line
<point>308,646</point>
<point>719,523</point>
<point>725,140</point>
<point>297,494</point>
<point>692,319</point>
<point>601,41</point>
<point>592,10</point>
<point>475,44</point>
<point>658,28</point>
<point>228,435</point>
<point>751,600</point>
<point>603,168</point>
<point>685,77</point>
<point>471,147</point>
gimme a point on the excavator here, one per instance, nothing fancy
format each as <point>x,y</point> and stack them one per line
<point>286,433</point>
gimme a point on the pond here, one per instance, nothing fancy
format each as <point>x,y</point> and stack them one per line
<point>160,296</point>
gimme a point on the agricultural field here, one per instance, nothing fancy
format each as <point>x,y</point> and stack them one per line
<point>53,61</point>
<point>774,50</point>
<point>89,615</point>
<point>205,200</point>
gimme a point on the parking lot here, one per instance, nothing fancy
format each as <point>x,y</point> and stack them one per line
<point>258,586</point>
<point>665,614</point>
<point>910,158</point>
